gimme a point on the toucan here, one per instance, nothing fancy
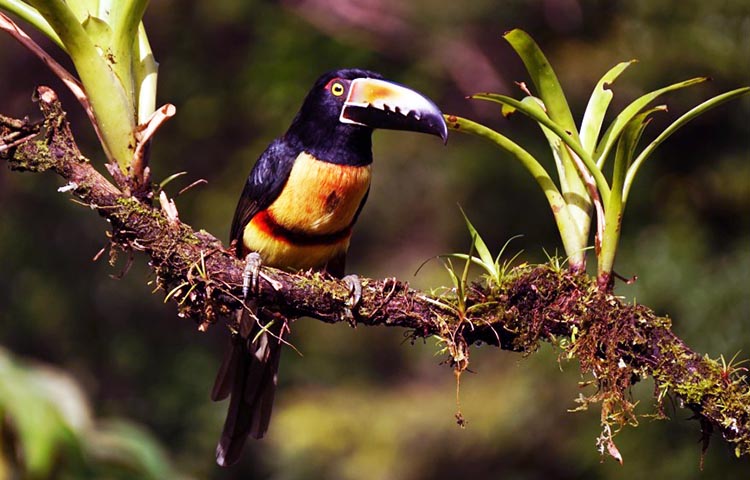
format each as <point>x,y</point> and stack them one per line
<point>297,210</point>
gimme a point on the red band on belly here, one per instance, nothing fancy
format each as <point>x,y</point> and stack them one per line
<point>265,222</point>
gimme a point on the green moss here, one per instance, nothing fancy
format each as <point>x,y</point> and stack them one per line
<point>616,344</point>
<point>33,157</point>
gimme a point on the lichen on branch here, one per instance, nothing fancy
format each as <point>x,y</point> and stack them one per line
<point>617,344</point>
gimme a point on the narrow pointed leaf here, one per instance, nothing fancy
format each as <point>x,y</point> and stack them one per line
<point>505,246</point>
<point>676,125</point>
<point>519,153</point>
<point>628,144</point>
<point>465,274</point>
<point>31,15</point>
<point>640,123</point>
<point>475,260</point>
<point>566,136</point>
<point>626,147</point>
<point>479,245</point>
<point>573,188</point>
<point>451,271</point>
<point>544,79</point>
<point>615,129</point>
<point>565,222</point>
<point>597,107</point>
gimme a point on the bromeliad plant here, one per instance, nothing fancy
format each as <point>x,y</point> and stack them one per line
<point>580,154</point>
<point>109,48</point>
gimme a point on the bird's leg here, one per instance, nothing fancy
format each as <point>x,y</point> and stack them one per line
<point>355,296</point>
<point>251,274</point>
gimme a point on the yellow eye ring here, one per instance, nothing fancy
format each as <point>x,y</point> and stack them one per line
<point>337,89</point>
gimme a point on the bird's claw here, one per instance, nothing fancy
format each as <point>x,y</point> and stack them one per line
<point>355,297</point>
<point>251,274</point>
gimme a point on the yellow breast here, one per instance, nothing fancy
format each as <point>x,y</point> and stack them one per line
<point>320,197</point>
<point>310,221</point>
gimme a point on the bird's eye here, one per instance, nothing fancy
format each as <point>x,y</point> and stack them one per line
<point>337,89</point>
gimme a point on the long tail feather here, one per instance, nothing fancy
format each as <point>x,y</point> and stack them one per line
<point>249,372</point>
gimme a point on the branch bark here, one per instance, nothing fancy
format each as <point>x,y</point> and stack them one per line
<point>617,344</point>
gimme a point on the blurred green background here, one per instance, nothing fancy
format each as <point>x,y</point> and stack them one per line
<point>364,403</point>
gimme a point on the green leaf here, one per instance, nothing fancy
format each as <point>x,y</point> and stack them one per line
<point>82,9</point>
<point>519,153</point>
<point>454,280</point>
<point>628,143</point>
<point>530,107</point>
<point>461,291</point>
<point>532,110</point>
<point>112,105</point>
<point>570,179</point>
<point>57,437</point>
<point>451,271</point>
<point>626,147</point>
<point>125,18</point>
<point>167,180</point>
<point>31,15</point>
<point>676,125</point>
<point>479,245</point>
<point>565,223</point>
<point>544,79</point>
<point>615,129</point>
<point>119,442</point>
<point>573,188</point>
<point>98,31</point>
<point>145,76</point>
<point>506,110</point>
<point>475,260</point>
<point>505,247</point>
<point>597,107</point>
<point>33,400</point>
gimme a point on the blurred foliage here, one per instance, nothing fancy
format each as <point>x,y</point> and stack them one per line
<point>48,431</point>
<point>361,404</point>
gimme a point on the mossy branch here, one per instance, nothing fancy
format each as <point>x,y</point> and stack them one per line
<point>617,344</point>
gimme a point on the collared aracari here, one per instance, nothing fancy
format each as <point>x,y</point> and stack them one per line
<point>297,211</point>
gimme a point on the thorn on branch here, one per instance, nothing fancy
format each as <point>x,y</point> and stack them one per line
<point>139,166</point>
<point>15,132</point>
<point>168,207</point>
<point>627,280</point>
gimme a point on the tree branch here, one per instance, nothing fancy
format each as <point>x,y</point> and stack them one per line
<point>617,344</point>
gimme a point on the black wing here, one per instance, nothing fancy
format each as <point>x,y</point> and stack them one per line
<point>263,186</point>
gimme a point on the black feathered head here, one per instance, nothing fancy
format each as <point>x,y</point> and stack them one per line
<point>344,106</point>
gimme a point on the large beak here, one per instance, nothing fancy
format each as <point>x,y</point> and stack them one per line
<point>379,104</point>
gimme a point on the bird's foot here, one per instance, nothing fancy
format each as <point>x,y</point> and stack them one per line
<point>251,274</point>
<point>355,296</point>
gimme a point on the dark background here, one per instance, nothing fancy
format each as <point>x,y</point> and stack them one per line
<point>364,403</point>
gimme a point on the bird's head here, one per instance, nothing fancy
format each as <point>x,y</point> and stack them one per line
<point>346,105</point>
